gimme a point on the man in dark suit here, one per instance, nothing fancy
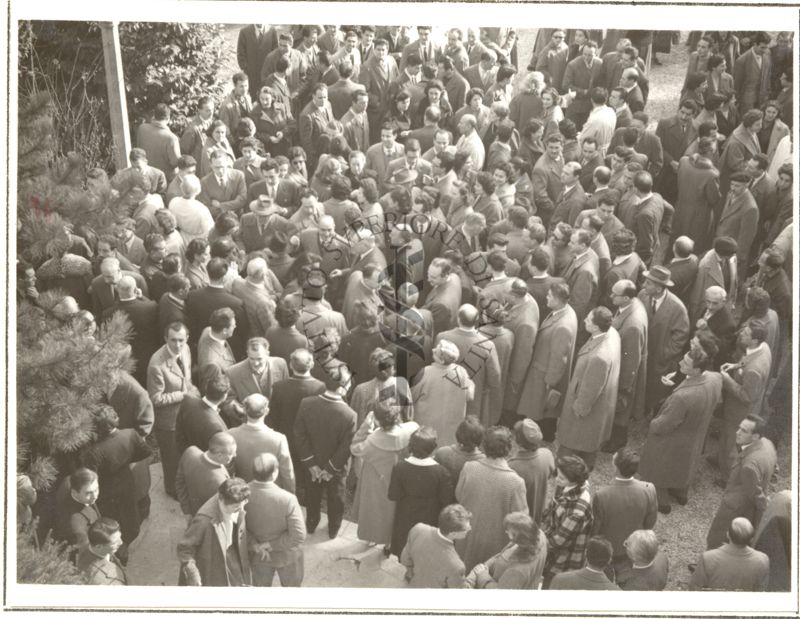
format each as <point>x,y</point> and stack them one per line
<point>103,288</point>
<point>298,65</point>
<point>667,334</point>
<point>592,577</point>
<point>143,315</point>
<point>623,506</point>
<point>745,494</point>
<point>675,133</point>
<point>683,267</point>
<point>423,47</point>
<point>111,457</point>
<point>200,304</point>
<point>132,404</point>
<point>582,275</point>
<point>649,213</point>
<point>324,429</point>
<point>751,74</point>
<point>718,320</point>
<point>377,75</point>
<point>581,75</point>
<point>198,418</point>
<point>223,189</point>
<point>170,306</point>
<point>396,39</point>
<point>201,471</point>
<point>340,94</point>
<point>255,42</point>
<point>481,74</point>
<point>454,83</point>
<point>313,123</point>
<point>648,143</point>
<point>424,136</point>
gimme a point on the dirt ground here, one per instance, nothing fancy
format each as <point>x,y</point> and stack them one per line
<point>682,533</point>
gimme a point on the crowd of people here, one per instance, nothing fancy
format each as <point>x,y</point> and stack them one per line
<point>400,268</point>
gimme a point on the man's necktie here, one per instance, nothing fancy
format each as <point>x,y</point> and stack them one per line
<point>653,305</point>
<point>181,366</point>
<point>114,292</point>
<point>353,59</point>
<point>726,273</point>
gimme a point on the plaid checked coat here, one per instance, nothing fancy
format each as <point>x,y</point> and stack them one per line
<point>567,522</point>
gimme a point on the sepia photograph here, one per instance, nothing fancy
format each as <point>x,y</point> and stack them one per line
<point>473,305</point>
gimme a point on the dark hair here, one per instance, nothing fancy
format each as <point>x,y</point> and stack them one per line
<point>101,531</point>
<point>574,469</point>
<point>602,318</point>
<point>469,433</point>
<point>627,461</point>
<point>423,442</point>
<point>81,478</point>
<point>760,424</point>
<point>196,247</point>
<point>217,268</point>
<point>567,129</point>
<point>598,552</point>
<point>233,490</point>
<point>497,442</point>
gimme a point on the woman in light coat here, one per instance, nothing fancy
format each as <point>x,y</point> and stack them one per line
<point>381,442</point>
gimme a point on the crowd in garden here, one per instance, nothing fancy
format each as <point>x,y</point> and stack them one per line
<point>442,279</point>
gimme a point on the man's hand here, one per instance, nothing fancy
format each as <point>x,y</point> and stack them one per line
<point>316,473</point>
<point>336,273</point>
<point>674,165</point>
<point>667,380</point>
<point>263,550</point>
<point>215,203</point>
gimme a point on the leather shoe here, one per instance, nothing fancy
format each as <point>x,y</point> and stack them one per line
<point>665,509</point>
<point>333,531</point>
<point>311,526</point>
<point>691,567</point>
<point>681,497</point>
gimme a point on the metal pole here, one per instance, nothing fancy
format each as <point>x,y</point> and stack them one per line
<point>117,103</point>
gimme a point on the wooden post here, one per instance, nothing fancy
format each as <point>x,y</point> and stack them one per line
<point>117,103</point>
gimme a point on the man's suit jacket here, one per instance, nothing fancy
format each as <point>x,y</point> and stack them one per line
<point>232,197</point>
<point>199,306</point>
<point>739,220</point>
<point>132,404</point>
<point>587,171</point>
<point>377,82</point>
<point>583,277</point>
<point>356,131</point>
<point>432,55</point>
<point>378,162</point>
<point>683,273</point>
<point>751,83</point>
<point>674,141</point>
<point>668,332</point>
<point>622,507</point>
<point>569,205</point>
<point>210,350</point>
<point>588,413</point>
<point>324,429</point>
<point>202,552</point>
<point>425,136</point>
<point>740,147</point>
<point>646,225</point>
<point>473,76</point>
<point>197,480</point>
<point>553,62</point>
<point>161,145</point>
<point>581,79</point>
<point>743,392</point>
<point>251,50</point>
<point>457,88</point>
<point>285,402</point>
<point>648,144</point>
<point>731,568</point>
<point>312,125</point>
<point>395,45</point>
<point>722,325</point>
<point>340,96</point>
<point>168,312</point>
<point>103,298</point>
<point>547,185</point>
<point>443,302</point>
<point>274,516</point>
<point>196,423</point>
<point>243,382</point>
<point>635,99</point>
<point>631,325</point>
<point>423,168</point>
<point>145,337</point>
<point>296,72</point>
<point>475,51</point>
<point>709,273</point>
<point>166,385</point>
<point>254,440</point>
<point>523,321</point>
<point>551,364</point>
<point>582,580</point>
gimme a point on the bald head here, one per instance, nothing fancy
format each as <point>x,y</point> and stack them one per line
<point>740,532</point>
<point>256,406</point>
<point>683,246</point>
<point>66,308</point>
<point>467,316</point>
<point>126,288</point>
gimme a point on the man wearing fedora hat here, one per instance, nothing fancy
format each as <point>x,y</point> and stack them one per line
<point>263,221</point>
<point>739,218</point>
<point>668,330</point>
<point>412,163</point>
